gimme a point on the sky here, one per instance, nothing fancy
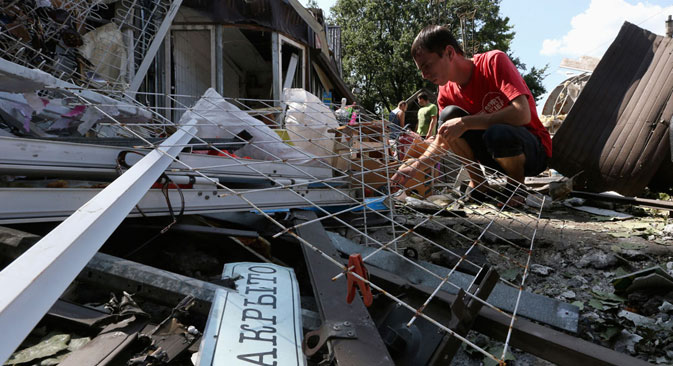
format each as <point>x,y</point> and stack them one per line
<point>549,30</point>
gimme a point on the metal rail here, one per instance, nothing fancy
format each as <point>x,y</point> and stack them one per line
<point>67,156</point>
<point>54,204</point>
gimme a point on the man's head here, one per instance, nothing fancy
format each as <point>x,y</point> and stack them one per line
<point>434,51</point>
<point>422,99</point>
<point>402,105</point>
<point>434,38</point>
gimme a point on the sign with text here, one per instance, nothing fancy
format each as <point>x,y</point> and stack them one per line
<point>259,323</point>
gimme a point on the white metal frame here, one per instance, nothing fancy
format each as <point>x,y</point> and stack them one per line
<point>21,205</point>
<point>35,280</point>
<point>22,155</point>
<point>278,50</point>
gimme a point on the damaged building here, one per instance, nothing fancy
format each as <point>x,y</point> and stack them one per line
<point>181,185</point>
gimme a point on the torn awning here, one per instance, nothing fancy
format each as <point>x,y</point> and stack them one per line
<point>618,130</point>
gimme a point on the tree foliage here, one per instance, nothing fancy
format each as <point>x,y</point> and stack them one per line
<point>377,37</point>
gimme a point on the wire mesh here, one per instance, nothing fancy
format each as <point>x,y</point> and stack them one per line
<point>85,42</point>
<point>362,159</point>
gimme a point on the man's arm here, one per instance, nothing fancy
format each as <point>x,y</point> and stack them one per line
<point>400,116</point>
<point>433,125</point>
<point>517,113</point>
<point>438,147</point>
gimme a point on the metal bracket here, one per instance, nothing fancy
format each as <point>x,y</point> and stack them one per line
<point>328,330</point>
<point>463,313</point>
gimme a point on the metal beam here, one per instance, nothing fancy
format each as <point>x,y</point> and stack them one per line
<point>276,68</point>
<point>19,151</point>
<point>551,345</point>
<point>147,282</point>
<point>317,28</point>
<point>118,274</point>
<point>21,205</point>
<point>34,281</point>
<point>658,204</point>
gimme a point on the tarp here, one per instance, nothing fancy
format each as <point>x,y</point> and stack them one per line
<point>308,122</point>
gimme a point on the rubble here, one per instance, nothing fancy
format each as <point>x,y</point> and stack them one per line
<point>290,245</point>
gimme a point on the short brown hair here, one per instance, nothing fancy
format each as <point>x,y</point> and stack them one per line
<point>422,96</point>
<point>434,38</point>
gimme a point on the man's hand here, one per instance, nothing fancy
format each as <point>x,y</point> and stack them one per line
<point>402,176</point>
<point>452,129</point>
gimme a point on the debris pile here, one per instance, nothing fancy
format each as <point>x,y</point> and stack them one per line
<point>232,230</point>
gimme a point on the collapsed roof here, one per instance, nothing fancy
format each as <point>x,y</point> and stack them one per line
<point>618,131</point>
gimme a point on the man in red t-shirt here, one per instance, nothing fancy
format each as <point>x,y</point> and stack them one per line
<point>487,112</point>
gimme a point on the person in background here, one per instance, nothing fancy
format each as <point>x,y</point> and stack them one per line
<point>488,112</point>
<point>396,118</point>
<point>427,117</point>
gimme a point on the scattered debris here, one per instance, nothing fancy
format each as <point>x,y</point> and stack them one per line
<point>49,346</point>
<point>144,178</point>
<point>541,270</point>
<point>598,260</point>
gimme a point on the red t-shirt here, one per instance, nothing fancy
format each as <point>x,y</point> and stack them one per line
<point>495,82</point>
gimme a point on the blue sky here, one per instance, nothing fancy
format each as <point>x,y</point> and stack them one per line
<point>549,30</point>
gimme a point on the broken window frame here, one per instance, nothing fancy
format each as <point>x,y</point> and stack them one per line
<point>277,41</point>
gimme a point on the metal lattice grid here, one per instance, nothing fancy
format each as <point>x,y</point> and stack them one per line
<point>87,42</point>
<point>362,159</point>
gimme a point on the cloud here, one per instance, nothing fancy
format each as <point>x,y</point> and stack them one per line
<point>593,30</point>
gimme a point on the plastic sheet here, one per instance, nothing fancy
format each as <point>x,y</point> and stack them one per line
<point>308,121</point>
<point>218,118</point>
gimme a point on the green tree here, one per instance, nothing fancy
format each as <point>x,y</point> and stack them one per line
<point>377,36</point>
<point>534,80</point>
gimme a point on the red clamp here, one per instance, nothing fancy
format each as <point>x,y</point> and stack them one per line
<point>355,261</point>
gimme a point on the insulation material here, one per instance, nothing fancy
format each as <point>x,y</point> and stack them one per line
<point>19,115</point>
<point>35,102</point>
<point>618,129</point>
<point>218,118</point>
<point>308,122</point>
<point>104,48</point>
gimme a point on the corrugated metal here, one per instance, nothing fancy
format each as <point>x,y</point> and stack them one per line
<point>617,130</point>
<point>334,42</point>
